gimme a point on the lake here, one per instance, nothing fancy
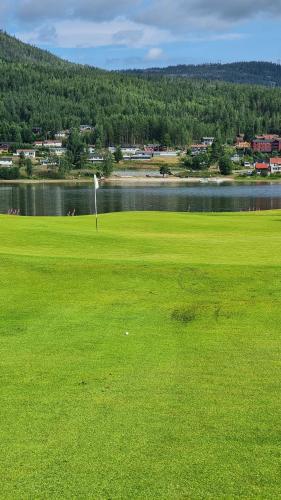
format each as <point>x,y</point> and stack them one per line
<point>59,199</point>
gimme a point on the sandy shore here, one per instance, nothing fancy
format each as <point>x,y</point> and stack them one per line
<point>141,180</point>
<point>166,180</point>
<point>115,179</point>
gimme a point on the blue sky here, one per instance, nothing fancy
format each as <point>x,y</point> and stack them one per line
<point>143,33</point>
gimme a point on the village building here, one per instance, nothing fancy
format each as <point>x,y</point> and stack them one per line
<point>165,154</point>
<point>262,145</point>
<point>62,134</point>
<point>243,145</point>
<point>262,168</point>
<point>266,144</point>
<point>27,153</point>
<point>59,151</point>
<point>96,158</point>
<point>6,162</point>
<point>275,165</point>
<point>4,148</point>
<point>52,143</point>
<point>197,149</point>
<point>208,141</point>
<point>267,137</point>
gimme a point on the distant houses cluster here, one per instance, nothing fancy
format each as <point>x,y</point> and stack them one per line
<point>265,149</point>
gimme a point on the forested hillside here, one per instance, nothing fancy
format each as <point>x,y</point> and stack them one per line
<point>254,72</point>
<point>14,50</point>
<point>123,108</point>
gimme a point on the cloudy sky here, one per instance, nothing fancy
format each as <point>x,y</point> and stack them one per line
<point>144,33</point>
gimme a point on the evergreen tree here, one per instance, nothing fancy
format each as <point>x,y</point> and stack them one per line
<point>28,167</point>
<point>118,155</point>
<point>225,165</point>
<point>107,165</point>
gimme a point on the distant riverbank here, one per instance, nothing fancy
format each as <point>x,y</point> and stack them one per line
<point>147,180</point>
<point>123,180</point>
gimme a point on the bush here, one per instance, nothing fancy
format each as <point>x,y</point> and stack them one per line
<point>225,165</point>
<point>9,173</point>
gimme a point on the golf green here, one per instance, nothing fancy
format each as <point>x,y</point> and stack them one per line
<point>142,361</point>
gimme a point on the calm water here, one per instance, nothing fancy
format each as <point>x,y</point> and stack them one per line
<point>55,199</point>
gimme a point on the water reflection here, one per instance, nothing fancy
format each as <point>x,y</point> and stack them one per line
<point>56,199</point>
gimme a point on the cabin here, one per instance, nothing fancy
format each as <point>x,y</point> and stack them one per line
<point>165,154</point>
<point>208,141</point>
<point>95,158</point>
<point>275,165</point>
<point>243,145</point>
<point>197,149</point>
<point>59,151</point>
<point>4,148</point>
<point>6,162</point>
<point>62,134</point>
<point>52,143</point>
<point>262,168</point>
<point>27,153</point>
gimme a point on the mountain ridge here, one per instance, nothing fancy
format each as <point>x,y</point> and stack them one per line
<point>246,72</point>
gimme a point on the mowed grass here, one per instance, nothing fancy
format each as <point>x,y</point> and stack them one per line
<point>185,406</point>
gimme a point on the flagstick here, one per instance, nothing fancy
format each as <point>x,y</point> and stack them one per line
<point>96,209</point>
<point>96,183</point>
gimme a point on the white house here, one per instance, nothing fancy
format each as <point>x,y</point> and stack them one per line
<point>59,151</point>
<point>196,149</point>
<point>6,162</point>
<point>208,141</point>
<point>62,134</point>
<point>130,151</point>
<point>275,165</point>
<point>95,158</point>
<point>52,143</point>
<point>28,153</point>
<point>166,154</point>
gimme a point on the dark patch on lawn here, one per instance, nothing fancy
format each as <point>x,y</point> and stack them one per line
<point>184,314</point>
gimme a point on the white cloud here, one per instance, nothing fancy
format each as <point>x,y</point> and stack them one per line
<point>154,54</point>
<point>198,15</point>
<point>71,33</point>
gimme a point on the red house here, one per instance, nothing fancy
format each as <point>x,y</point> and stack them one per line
<point>262,168</point>
<point>262,146</point>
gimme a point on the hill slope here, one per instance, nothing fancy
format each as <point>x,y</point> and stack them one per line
<point>13,50</point>
<point>261,73</point>
<point>38,89</point>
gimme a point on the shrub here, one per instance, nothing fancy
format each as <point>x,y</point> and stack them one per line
<point>9,173</point>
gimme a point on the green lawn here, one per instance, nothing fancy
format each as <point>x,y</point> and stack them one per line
<point>185,406</point>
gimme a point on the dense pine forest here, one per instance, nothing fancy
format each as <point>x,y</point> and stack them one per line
<point>253,72</point>
<point>38,89</point>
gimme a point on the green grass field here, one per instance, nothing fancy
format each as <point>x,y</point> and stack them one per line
<point>185,406</point>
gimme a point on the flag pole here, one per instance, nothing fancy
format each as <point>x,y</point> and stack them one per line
<point>96,183</point>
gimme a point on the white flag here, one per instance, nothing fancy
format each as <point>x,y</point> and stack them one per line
<point>96,182</point>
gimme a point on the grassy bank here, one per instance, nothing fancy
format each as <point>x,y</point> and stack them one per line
<point>184,406</point>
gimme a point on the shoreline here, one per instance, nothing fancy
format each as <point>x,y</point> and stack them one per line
<point>127,180</point>
<point>121,180</point>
